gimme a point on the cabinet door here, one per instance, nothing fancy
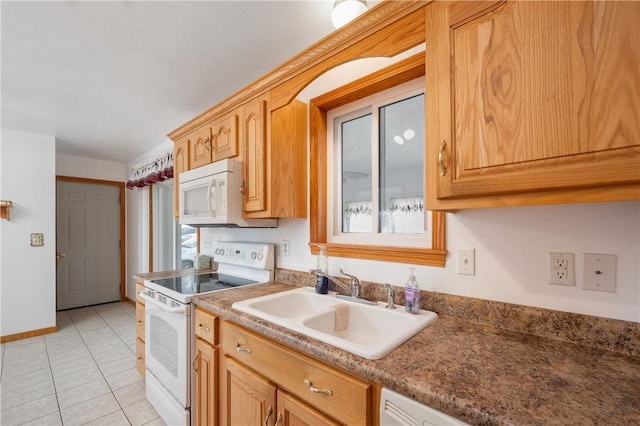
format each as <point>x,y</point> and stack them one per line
<point>225,138</point>
<point>206,366</point>
<point>250,398</point>
<point>254,134</point>
<point>180,164</point>
<point>140,366</point>
<point>200,147</point>
<point>293,412</point>
<point>532,96</point>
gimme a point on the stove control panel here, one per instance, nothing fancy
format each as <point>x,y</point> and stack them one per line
<point>252,255</point>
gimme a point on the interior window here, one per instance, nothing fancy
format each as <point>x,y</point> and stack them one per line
<point>378,169</point>
<point>404,240</point>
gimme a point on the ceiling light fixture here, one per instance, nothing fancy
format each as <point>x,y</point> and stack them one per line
<point>345,11</point>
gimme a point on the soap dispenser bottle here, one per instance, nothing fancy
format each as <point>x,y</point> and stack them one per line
<point>322,283</point>
<point>412,294</point>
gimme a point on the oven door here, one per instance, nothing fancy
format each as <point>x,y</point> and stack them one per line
<point>166,351</point>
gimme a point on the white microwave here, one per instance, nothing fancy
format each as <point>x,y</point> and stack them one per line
<point>210,196</point>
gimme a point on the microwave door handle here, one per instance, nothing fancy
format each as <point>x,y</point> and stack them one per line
<point>213,188</point>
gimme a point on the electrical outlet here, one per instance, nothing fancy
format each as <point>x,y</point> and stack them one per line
<point>286,247</point>
<point>466,262</point>
<point>561,269</point>
<point>599,272</point>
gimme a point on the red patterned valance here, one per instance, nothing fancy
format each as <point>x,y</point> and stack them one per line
<point>151,171</point>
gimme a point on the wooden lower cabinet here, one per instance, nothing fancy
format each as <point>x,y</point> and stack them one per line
<point>140,366</point>
<point>293,412</point>
<point>254,400</point>
<point>262,382</point>
<point>206,366</point>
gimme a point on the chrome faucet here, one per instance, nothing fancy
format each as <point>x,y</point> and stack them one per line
<point>390,293</point>
<point>354,288</point>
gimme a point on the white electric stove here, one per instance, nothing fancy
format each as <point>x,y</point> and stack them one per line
<point>169,322</point>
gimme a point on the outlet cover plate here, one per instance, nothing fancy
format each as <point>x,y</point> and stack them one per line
<point>562,269</point>
<point>599,272</point>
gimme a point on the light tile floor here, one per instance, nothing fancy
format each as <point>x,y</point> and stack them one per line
<point>85,373</point>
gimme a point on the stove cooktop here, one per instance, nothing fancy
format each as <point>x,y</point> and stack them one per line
<point>201,283</point>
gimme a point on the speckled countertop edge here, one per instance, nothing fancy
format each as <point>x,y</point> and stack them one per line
<point>477,372</point>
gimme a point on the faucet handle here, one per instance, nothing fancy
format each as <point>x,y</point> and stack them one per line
<point>390,293</point>
<point>354,279</point>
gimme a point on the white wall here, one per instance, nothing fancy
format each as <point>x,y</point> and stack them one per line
<point>27,274</point>
<point>511,255</point>
<point>89,168</point>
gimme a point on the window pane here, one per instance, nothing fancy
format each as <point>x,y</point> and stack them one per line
<point>164,228</point>
<point>189,246</point>
<point>402,167</point>
<point>355,139</point>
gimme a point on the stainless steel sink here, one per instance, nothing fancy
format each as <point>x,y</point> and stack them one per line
<point>372,330</point>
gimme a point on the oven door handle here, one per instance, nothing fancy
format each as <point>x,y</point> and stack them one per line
<point>177,309</point>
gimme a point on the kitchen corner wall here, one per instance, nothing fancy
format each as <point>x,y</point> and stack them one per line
<point>27,274</point>
<point>511,246</point>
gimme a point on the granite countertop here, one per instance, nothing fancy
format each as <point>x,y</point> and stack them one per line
<point>477,372</point>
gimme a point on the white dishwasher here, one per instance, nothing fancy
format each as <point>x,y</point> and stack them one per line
<point>399,410</point>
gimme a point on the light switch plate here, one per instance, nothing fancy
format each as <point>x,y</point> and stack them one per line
<point>466,261</point>
<point>599,272</point>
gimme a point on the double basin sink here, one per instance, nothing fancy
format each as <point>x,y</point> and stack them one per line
<point>372,331</point>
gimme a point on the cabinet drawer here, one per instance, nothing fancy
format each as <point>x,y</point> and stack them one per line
<point>205,326</point>
<point>350,398</point>
<point>140,321</point>
<point>139,288</point>
<point>140,357</point>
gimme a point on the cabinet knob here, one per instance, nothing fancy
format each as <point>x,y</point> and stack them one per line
<point>442,162</point>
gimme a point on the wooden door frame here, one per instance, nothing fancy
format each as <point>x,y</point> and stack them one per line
<point>123,245</point>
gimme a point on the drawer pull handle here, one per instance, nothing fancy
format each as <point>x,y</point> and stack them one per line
<point>314,389</point>
<point>269,413</point>
<point>241,349</point>
<point>194,364</point>
<point>202,327</point>
<point>278,419</point>
<point>140,359</point>
<point>442,162</point>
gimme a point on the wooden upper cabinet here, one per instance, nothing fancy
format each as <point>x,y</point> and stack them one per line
<point>254,134</point>
<point>225,137</point>
<point>180,164</point>
<point>532,102</point>
<point>275,160</point>
<point>200,147</point>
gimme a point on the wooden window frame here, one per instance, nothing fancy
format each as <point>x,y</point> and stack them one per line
<point>391,76</point>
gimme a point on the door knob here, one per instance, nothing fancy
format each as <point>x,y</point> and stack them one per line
<point>60,256</point>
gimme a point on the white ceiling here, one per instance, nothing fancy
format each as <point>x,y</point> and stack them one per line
<point>110,79</point>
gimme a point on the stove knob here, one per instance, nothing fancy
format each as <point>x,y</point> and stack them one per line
<point>254,255</point>
<point>260,256</point>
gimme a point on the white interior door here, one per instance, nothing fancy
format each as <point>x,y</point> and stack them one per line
<point>87,243</point>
